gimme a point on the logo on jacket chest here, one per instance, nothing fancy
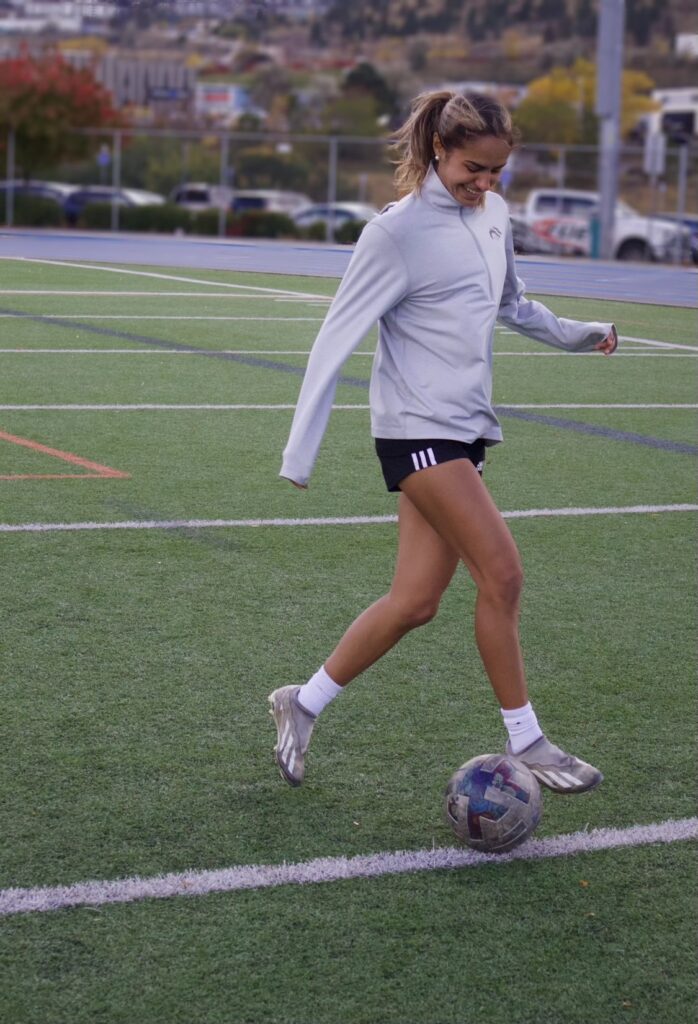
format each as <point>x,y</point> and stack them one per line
<point>495,233</point>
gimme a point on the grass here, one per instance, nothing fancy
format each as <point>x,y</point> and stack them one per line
<point>135,666</point>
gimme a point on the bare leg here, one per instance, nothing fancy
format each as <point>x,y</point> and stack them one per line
<point>454,500</point>
<point>425,567</point>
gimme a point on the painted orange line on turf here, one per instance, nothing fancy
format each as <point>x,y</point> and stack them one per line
<point>98,470</point>
<point>55,476</point>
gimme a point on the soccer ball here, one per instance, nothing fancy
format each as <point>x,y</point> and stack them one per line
<point>493,803</point>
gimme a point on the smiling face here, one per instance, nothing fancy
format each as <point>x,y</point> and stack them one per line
<point>471,170</point>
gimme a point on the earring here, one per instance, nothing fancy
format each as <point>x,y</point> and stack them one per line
<point>436,157</point>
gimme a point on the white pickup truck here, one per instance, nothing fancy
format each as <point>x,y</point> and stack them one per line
<point>561,219</point>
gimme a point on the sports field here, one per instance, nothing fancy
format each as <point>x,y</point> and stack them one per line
<point>158,580</point>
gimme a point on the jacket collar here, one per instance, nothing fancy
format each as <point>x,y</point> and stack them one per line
<point>438,196</point>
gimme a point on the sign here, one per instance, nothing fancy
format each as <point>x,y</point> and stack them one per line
<point>654,157</point>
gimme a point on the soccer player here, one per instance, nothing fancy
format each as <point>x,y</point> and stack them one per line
<point>436,269</point>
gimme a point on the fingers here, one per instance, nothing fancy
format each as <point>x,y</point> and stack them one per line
<point>609,344</point>
<point>301,487</point>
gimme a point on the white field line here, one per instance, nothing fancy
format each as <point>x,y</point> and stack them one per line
<point>630,338</point>
<point>306,352</point>
<point>163,352</point>
<point>204,524</point>
<point>146,407</point>
<point>109,316</point>
<point>654,343</point>
<point>172,293</point>
<point>175,277</point>
<point>335,869</point>
<point>234,407</point>
<point>634,354</point>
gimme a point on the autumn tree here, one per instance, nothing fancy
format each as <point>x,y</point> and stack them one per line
<point>559,107</point>
<point>43,100</point>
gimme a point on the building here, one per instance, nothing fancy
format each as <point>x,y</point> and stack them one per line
<point>30,17</point>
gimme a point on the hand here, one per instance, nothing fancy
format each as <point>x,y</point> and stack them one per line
<point>609,344</point>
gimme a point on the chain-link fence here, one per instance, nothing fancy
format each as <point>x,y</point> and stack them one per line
<point>206,178</point>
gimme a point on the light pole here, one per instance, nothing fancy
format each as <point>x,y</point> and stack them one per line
<point>609,69</point>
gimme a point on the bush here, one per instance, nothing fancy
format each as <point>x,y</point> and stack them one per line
<point>32,212</point>
<point>169,217</point>
<point>205,222</point>
<point>96,216</point>
<point>349,232</point>
<point>165,217</point>
<point>256,224</point>
<point>316,232</point>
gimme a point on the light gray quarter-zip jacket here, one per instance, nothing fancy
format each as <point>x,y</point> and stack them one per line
<point>437,276</point>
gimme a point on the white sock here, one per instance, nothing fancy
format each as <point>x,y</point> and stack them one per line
<point>318,692</point>
<point>522,726</point>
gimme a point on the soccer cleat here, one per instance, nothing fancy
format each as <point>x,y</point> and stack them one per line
<point>561,772</point>
<point>294,726</point>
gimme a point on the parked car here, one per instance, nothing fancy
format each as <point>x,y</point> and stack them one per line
<point>76,202</point>
<point>268,201</point>
<point>200,195</point>
<point>528,242</point>
<point>564,217</point>
<point>689,220</point>
<point>58,191</point>
<point>337,213</point>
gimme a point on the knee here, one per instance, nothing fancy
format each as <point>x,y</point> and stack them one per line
<point>416,612</point>
<point>503,585</point>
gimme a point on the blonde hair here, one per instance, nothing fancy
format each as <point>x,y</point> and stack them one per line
<point>456,118</point>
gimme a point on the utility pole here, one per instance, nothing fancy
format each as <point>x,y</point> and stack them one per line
<point>609,69</point>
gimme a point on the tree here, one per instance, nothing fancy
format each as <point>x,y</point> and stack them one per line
<point>559,107</point>
<point>364,81</point>
<point>44,100</point>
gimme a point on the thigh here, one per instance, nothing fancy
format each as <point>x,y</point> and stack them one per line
<point>425,561</point>
<point>453,499</point>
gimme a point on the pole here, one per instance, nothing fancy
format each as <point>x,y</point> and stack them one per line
<point>609,69</point>
<point>116,181</point>
<point>10,194</point>
<point>331,187</point>
<point>681,196</point>
<point>223,181</point>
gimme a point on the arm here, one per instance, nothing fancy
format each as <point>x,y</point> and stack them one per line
<point>536,321</point>
<point>375,281</point>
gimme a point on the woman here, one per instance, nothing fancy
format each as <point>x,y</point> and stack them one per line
<point>437,270</point>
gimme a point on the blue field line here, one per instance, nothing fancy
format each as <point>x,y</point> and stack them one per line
<point>357,382</point>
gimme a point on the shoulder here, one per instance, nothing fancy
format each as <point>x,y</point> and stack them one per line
<point>496,206</point>
<point>397,218</point>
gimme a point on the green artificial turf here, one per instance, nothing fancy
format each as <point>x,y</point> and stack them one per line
<point>135,665</point>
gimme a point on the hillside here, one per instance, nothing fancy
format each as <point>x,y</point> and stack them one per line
<point>480,20</point>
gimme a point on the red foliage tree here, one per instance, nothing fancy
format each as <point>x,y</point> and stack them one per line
<point>44,100</point>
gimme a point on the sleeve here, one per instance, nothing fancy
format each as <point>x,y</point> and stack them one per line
<point>536,321</point>
<point>375,281</point>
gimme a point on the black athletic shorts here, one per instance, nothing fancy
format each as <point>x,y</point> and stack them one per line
<point>400,458</point>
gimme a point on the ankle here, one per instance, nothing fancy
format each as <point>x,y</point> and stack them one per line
<point>522,726</point>
<point>317,693</point>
